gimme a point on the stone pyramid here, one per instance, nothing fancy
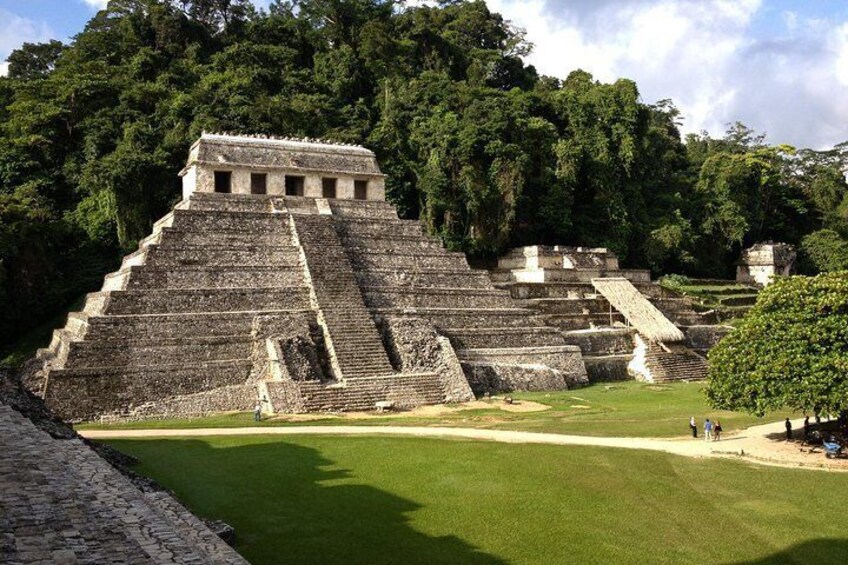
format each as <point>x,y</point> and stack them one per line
<point>284,277</point>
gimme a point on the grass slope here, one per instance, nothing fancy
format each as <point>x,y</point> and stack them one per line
<point>630,409</point>
<point>390,500</point>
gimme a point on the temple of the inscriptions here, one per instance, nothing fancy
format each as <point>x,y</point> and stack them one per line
<point>284,277</point>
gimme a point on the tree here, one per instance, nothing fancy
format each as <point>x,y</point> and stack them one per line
<point>34,60</point>
<point>791,350</point>
<point>824,251</point>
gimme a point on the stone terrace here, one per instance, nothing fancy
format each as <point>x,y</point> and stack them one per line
<point>556,283</point>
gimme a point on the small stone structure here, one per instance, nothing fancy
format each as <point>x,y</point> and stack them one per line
<point>281,166</point>
<point>762,262</point>
<point>306,303</point>
<point>61,503</point>
<point>575,289</point>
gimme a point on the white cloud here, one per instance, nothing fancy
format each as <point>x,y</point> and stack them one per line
<point>96,4</point>
<point>14,31</point>
<point>705,56</point>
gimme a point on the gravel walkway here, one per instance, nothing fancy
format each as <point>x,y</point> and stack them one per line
<point>759,444</point>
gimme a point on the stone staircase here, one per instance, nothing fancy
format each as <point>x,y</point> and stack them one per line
<point>404,273</point>
<point>675,364</point>
<point>350,334</point>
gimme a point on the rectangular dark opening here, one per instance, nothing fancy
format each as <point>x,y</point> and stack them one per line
<point>294,186</point>
<point>258,183</point>
<point>223,181</point>
<point>328,187</point>
<point>360,189</point>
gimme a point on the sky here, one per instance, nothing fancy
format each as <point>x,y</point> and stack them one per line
<point>778,66</point>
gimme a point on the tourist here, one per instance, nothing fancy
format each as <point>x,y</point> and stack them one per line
<point>257,412</point>
<point>806,427</point>
<point>717,431</point>
<point>708,430</point>
<point>788,429</point>
<point>693,426</point>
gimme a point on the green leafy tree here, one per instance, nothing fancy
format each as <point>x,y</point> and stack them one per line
<point>824,251</point>
<point>34,60</point>
<point>791,350</point>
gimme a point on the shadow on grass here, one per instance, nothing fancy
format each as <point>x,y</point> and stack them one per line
<point>289,503</point>
<point>821,551</point>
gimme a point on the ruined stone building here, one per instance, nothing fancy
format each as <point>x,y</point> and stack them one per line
<point>284,275</point>
<point>625,325</point>
<point>760,263</point>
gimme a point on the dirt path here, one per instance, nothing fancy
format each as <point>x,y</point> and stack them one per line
<point>758,444</point>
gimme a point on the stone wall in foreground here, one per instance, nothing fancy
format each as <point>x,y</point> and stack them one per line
<point>62,503</point>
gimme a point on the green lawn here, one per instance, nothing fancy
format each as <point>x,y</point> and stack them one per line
<point>310,499</point>
<point>623,409</point>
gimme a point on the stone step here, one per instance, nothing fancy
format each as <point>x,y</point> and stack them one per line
<point>84,394</point>
<point>523,291</point>
<point>186,325</point>
<point>470,338</point>
<point>468,317</point>
<point>222,221</point>
<point>214,256</point>
<point>568,322</point>
<point>424,278</point>
<point>212,202</point>
<point>363,209</point>
<point>149,277</point>
<point>354,227</point>
<point>669,367</point>
<point>405,390</point>
<point>206,300</point>
<point>566,306</point>
<point>145,353</point>
<point>444,260</point>
<point>602,341</point>
<point>170,237</point>
<point>387,297</point>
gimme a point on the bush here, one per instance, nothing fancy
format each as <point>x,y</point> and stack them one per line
<point>675,282</point>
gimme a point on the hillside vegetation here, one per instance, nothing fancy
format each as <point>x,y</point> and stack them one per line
<point>484,150</point>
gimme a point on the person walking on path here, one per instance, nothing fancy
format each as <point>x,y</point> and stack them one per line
<point>788,429</point>
<point>717,431</point>
<point>693,426</point>
<point>708,430</point>
<point>806,427</point>
<point>257,412</point>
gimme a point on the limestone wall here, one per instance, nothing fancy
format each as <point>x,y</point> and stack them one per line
<point>62,503</point>
<point>414,346</point>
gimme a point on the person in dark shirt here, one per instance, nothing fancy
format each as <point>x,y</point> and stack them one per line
<point>788,429</point>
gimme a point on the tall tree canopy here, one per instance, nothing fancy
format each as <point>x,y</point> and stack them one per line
<point>479,146</point>
<point>791,350</point>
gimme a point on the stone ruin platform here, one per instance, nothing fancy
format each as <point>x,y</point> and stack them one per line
<point>60,502</point>
<point>309,304</point>
<point>557,283</point>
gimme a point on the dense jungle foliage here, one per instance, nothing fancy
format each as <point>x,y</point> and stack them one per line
<point>484,150</point>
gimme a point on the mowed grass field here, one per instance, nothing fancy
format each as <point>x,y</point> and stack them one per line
<point>629,409</point>
<point>351,500</point>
